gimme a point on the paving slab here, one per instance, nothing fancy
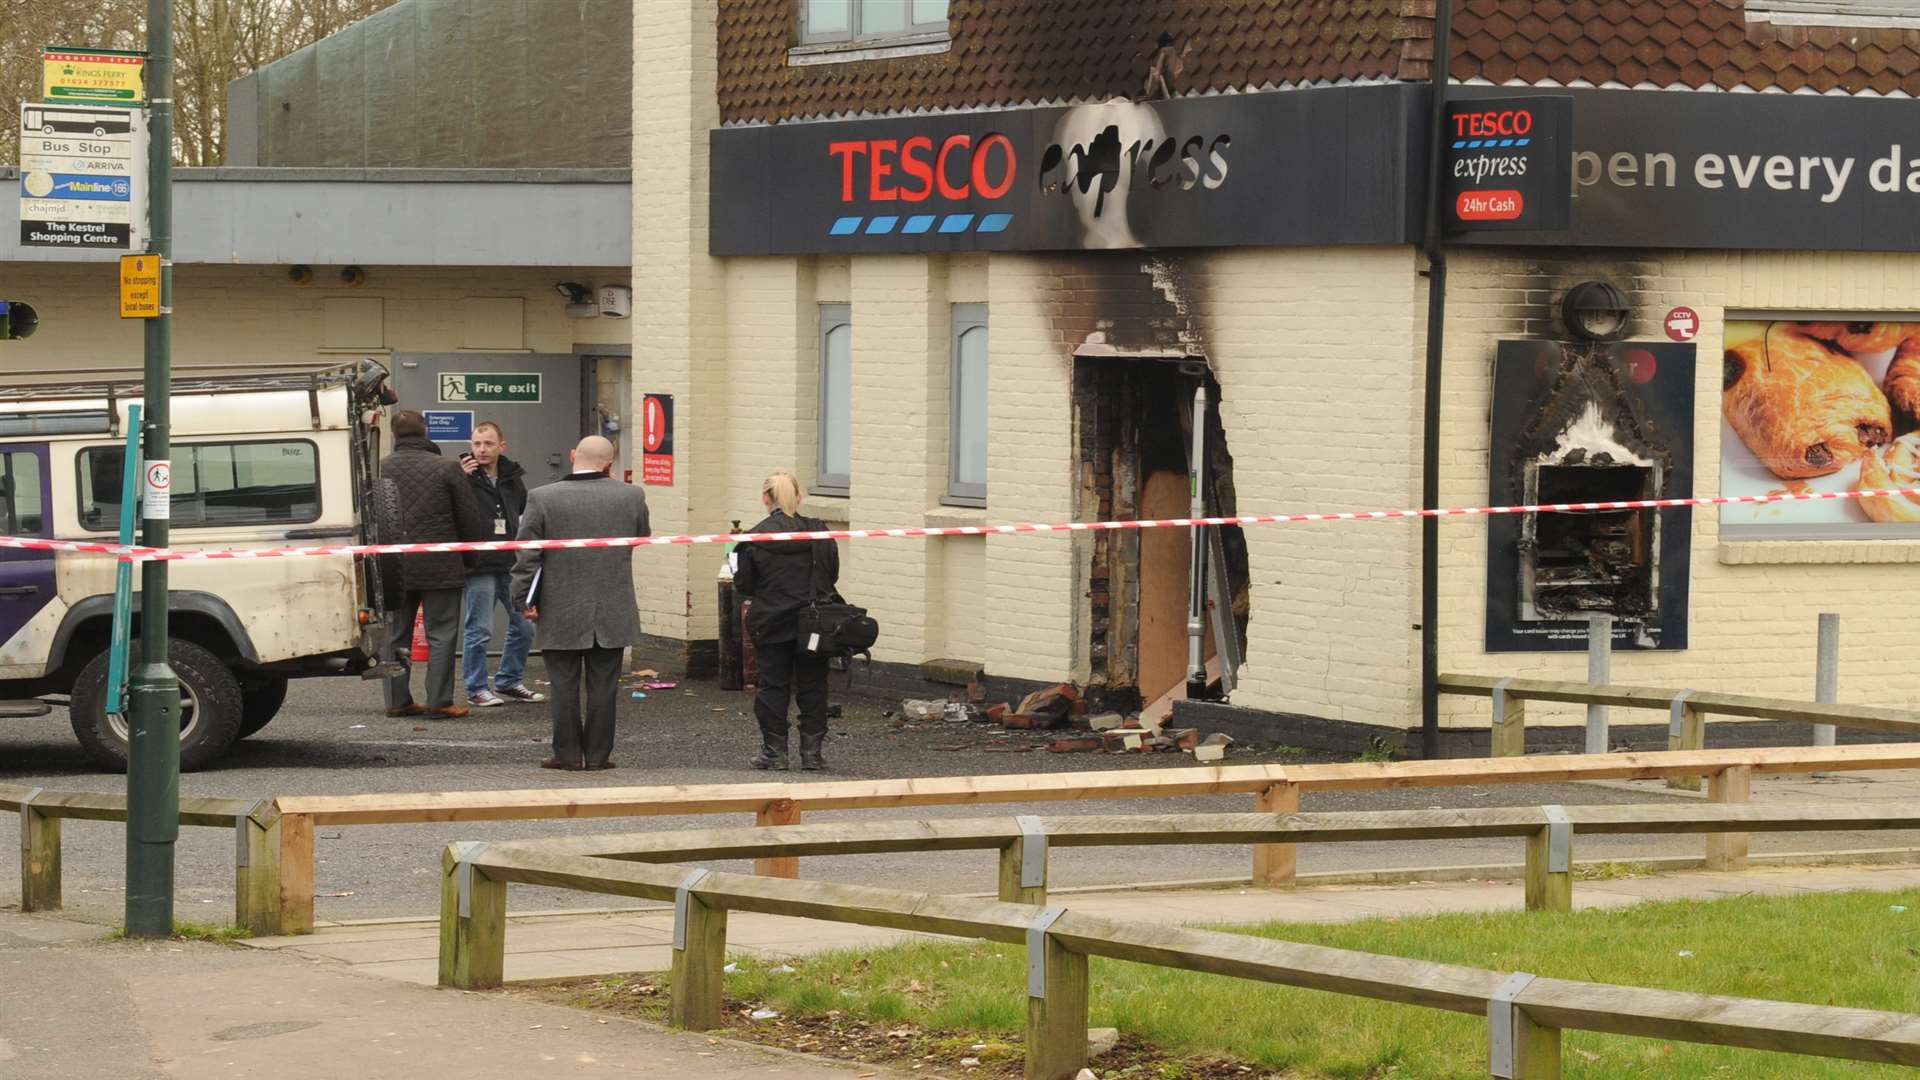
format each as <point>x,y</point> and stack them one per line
<point>73,1005</point>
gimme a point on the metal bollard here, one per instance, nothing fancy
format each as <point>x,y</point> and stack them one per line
<point>1599,665</point>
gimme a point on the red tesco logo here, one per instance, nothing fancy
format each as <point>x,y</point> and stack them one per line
<point>956,169</point>
<point>1493,124</point>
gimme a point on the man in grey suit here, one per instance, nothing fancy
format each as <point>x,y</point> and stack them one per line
<point>581,599</point>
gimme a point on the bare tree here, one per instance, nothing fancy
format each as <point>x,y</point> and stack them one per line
<point>214,42</point>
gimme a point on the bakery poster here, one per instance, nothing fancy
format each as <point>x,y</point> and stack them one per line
<point>1820,407</point>
<point>1589,422</point>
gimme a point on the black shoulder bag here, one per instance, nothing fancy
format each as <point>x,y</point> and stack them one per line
<point>829,626</point>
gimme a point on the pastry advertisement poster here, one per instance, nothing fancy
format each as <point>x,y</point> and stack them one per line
<point>1816,406</point>
<point>1590,422</point>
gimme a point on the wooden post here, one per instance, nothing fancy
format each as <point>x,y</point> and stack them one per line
<point>1599,673</point>
<point>1547,889</point>
<point>1733,784</point>
<point>1057,1019</point>
<point>1276,864</point>
<point>1692,735</point>
<point>1536,1049</point>
<point>473,947</point>
<point>1013,862</point>
<point>256,873</point>
<point>783,812</point>
<point>699,968</point>
<point>39,860</point>
<point>1509,737</point>
<point>296,874</point>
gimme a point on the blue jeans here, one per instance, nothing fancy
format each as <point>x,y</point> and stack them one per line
<point>483,591</point>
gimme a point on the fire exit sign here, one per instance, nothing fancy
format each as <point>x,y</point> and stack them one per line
<point>519,387</point>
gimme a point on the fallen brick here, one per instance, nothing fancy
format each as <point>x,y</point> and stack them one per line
<point>1106,721</point>
<point>1080,745</point>
<point>1209,752</point>
<point>1122,741</point>
<point>1184,738</point>
<point>997,713</point>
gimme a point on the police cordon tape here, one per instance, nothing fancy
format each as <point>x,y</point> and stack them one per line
<point>144,554</point>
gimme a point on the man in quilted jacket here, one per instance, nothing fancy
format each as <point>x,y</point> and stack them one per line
<point>437,504</point>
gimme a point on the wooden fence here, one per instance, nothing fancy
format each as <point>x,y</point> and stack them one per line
<point>1525,1014</point>
<point>274,866</point>
<point>1687,710</point>
<point>254,825</point>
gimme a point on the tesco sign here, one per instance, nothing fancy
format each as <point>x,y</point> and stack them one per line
<point>914,169</point>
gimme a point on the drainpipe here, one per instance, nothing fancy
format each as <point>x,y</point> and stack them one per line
<point>1430,431</point>
<point>1197,576</point>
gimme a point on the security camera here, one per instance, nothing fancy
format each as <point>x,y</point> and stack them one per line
<point>616,301</point>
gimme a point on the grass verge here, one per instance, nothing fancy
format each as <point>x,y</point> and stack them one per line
<point>193,931</point>
<point>960,1008</point>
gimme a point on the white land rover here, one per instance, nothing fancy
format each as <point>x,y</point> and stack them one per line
<point>267,459</point>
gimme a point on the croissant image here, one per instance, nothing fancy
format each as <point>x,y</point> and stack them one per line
<point>1803,409</point>
<point>1897,466</point>
<point>1859,338</point>
<point>1903,377</point>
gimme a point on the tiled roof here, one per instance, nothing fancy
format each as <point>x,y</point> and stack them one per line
<point>1692,43</point>
<point>1011,51</point>
<point>1015,51</point>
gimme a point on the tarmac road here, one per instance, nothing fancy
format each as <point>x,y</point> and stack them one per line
<point>331,738</point>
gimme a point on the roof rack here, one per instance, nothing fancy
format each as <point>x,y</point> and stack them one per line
<point>357,376</point>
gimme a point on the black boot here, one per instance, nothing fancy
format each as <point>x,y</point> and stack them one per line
<point>773,752</point>
<point>810,744</point>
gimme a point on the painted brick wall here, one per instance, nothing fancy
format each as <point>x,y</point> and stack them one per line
<point>1317,354</point>
<point>682,349</point>
<point>1754,605</point>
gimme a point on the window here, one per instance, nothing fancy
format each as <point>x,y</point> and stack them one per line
<point>967,455</point>
<point>259,483</point>
<point>1847,13</point>
<point>20,507</point>
<point>836,399</point>
<point>870,20</point>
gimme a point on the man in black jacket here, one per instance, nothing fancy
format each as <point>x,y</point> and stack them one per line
<point>499,483</point>
<point>436,505</point>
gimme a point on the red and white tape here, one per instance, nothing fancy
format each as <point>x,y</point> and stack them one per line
<point>185,554</point>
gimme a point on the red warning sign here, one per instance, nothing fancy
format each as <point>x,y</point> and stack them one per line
<point>1683,324</point>
<point>656,440</point>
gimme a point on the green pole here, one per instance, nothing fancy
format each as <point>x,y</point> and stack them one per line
<point>153,752</point>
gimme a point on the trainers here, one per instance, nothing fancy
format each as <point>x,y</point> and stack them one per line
<point>485,699</point>
<point>517,693</point>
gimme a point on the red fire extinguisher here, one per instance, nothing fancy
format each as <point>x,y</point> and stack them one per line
<point>419,653</point>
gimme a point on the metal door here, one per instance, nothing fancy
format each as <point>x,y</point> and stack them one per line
<point>26,577</point>
<point>458,390</point>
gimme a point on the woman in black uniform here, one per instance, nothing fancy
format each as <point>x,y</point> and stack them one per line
<point>782,578</point>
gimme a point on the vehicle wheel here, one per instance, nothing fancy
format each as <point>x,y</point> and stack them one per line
<point>210,703</point>
<point>46,129</point>
<point>260,702</point>
<point>99,132</point>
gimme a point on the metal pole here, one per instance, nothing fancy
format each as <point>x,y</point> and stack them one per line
<point>1599,671</point>
<point>1197,585</point>
<point>153,751</point>
<point>1826,679</point>
<point>1430,410</point>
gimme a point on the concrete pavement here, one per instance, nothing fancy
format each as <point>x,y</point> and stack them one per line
<point>74,1006</point>
<point>570,945</point>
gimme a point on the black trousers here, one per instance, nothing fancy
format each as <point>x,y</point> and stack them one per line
<point>592,741</point>
<point>789,674</point>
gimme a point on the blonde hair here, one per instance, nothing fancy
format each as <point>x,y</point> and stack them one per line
<point>785,492</point>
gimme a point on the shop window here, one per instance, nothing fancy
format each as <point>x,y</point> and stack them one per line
<point>967,408</point>
<point>1847,13</point>
<point>871,22</point>
<point>214,484</point>
<point>833,469</point>
<point>1819,407</point>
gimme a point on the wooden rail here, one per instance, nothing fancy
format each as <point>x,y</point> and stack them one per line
<point>1687,710</point>
<point>254,823</point>
<point>1275,788</point>
<point>1526,1014</point>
